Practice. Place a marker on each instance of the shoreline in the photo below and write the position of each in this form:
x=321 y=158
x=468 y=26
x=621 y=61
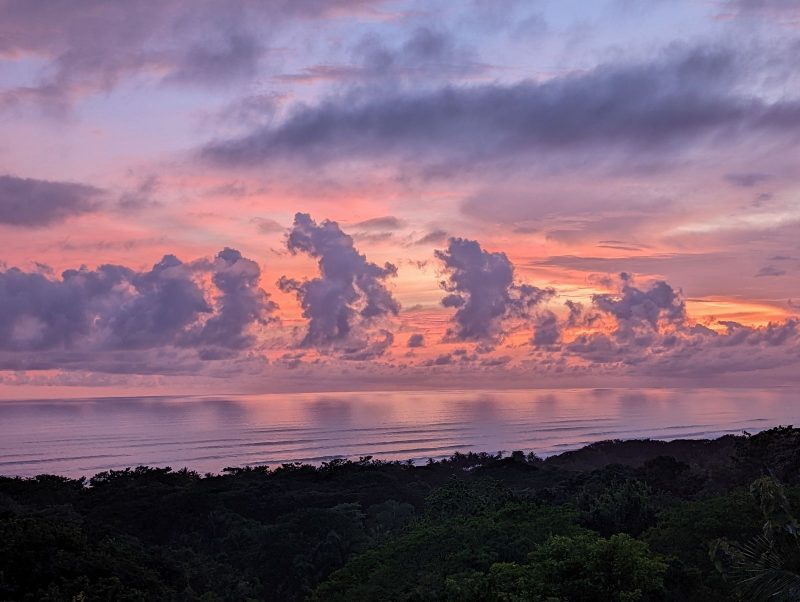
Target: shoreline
x=599 y=448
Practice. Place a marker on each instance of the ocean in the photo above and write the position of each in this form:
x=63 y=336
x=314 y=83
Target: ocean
x=80 y=437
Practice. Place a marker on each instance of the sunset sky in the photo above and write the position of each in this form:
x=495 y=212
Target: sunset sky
x=291 y=195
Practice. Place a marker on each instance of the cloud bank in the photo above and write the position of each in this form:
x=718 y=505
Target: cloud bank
x=615 y=111
x=651 y=334
x=205 y=309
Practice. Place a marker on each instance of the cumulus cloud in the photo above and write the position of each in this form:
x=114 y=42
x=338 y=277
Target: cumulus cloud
x=652 y=335
x=640 y=317
x=546 y=330
x=481 y=288
x=704 y=353
x=86 y=318
x=348 y=295
x=240 y=302
x=634 y=307
x=34 y=203
x=575 y=312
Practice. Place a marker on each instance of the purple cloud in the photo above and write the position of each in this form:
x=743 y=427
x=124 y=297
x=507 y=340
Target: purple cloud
x=240 y=302
x=546 y=329
x=97 y=45
x=86 y=314
x=35 y=203
x=634 y=307
x=613 y=111
x=654 y=336
x=770 y=270
x=481 y=288
x=388 y=222
x=350 y=291
x=427 y=54
x=416 y=340
x=431 y=238
x=747 y=179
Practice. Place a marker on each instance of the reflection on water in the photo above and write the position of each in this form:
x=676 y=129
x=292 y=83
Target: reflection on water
x=84 y=436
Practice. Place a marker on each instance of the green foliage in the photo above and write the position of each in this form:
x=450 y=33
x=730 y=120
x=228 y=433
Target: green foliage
x=620 y=507
x=466 y=497
x=417 y=564
x=767 y=567
x=581 y=568
x=614 y=521
x=682 y=534
x=49 y=559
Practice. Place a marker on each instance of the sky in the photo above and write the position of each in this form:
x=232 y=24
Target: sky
x=313 y=195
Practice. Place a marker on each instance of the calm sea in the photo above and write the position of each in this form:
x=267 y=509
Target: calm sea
x=85 y=436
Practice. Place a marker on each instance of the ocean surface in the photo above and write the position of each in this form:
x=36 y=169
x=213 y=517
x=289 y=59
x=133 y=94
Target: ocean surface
x=84 y=436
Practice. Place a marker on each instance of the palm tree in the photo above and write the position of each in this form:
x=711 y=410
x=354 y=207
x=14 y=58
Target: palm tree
x=768 y=566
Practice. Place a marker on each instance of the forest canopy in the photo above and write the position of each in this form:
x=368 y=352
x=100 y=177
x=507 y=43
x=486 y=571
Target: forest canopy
x=617 y=520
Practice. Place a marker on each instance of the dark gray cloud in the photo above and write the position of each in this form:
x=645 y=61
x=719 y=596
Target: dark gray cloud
x=387 y=222
x=426 y=55
x=96 y=45
x=240 y=302
x=612 y=111
x=416 y=340
x=762 y=198
x=373 y=237
x=634 y=306
x=641 y=316
x=654 y=336
x=235 y=55
x=163 y=304
x=546 y=329
x=781 y=9
x=34 y=203
x=142 y=195
x=575 y=312
x=481 y=288
x=368 y=349
x=267 y=226
x=705 y=274
x=433 y=237
x=739 y=349
x=85 y=314
x=350 y=291
x=770 y=270
x=748 y=179
x=444 y=359
x=427 y=52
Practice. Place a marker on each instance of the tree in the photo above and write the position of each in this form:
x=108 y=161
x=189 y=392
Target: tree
x=767 y=567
